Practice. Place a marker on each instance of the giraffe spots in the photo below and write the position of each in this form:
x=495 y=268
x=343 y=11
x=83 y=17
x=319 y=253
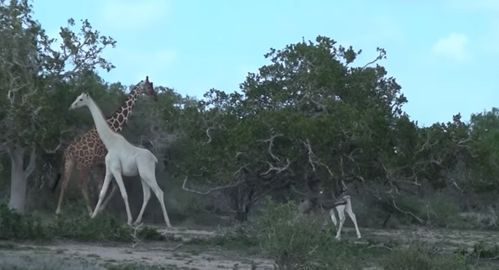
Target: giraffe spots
x=121 y=118
x=125 y=112
x=129 y=103
x=116 y=125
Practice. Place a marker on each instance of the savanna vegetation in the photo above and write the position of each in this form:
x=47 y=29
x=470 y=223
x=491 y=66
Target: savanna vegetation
x=312 y=119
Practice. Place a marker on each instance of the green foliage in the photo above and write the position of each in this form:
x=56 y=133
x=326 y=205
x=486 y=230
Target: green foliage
x=485 y=145
x=308 y=112
x=419 y=257
x=150 y=234
x=78 y=226
x=33 y=72
x=16 y=226
x=84 y=228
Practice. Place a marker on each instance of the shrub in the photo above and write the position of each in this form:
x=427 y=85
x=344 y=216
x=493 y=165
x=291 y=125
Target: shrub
x=85 y=228
x=16 y=226
x=420 y=257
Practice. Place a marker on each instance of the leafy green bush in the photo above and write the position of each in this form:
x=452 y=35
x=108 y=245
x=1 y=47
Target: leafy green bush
x=420 y=257
x=16 y=226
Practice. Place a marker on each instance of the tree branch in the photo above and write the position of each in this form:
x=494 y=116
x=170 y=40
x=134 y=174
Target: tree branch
x=208 y=135
x=381 y=55
x=271 y=143
x=420 y=220
x=277 y=169
x=310 y=154
x=211 y=190
x=53 y=150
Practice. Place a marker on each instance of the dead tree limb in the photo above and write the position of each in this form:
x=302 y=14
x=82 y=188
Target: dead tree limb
x=211 y=190
x=271 y=144
x=311 y=154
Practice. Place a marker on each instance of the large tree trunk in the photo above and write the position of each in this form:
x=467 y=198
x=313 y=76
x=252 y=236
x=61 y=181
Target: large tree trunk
x=19 y=177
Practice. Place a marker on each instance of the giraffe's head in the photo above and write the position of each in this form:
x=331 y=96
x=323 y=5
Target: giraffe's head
x=80 y=101
x=146 y=87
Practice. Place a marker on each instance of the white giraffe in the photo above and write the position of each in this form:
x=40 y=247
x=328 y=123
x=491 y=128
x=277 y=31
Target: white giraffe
x=123 y=158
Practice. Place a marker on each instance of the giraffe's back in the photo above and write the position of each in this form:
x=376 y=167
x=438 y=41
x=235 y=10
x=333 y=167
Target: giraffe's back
x=86 y=150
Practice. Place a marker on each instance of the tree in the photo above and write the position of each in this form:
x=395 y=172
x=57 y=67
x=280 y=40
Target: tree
x=34 y=73
x=307 y=120
x=484 y=129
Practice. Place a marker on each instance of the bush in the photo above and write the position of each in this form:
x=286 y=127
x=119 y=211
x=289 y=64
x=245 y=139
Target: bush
x=85 y=228
x=77 y=226
x=443 y=211
x=16 y=226
x=420 y=257
x=295 y=241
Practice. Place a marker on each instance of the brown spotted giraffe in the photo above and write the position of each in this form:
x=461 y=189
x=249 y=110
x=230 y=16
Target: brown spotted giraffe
x=88 y=150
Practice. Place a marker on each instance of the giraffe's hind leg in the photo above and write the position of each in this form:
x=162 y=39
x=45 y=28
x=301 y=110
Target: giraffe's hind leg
x=68 y=169
x=147 y=168
x=147 y=195
x=84 y=173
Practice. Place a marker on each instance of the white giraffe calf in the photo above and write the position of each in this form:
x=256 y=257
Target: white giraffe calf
x=341 y=204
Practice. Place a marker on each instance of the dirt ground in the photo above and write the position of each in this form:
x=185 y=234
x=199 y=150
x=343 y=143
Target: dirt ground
x=177 y=255
x=157 y=255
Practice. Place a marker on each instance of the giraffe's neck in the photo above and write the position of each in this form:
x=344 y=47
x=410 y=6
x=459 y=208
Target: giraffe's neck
x=120 y=117
x=106 y=134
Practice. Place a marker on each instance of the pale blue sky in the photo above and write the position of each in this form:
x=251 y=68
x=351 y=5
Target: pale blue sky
x=443 y=53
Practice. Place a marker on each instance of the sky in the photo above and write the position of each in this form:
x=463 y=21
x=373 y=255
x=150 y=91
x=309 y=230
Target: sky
x=444 y=53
